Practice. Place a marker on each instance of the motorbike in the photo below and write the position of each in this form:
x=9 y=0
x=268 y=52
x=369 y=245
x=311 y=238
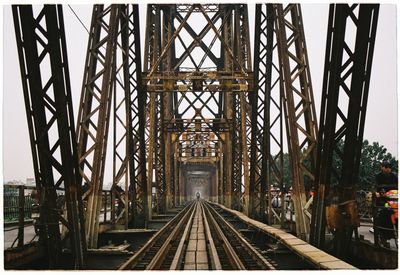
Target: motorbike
x=392 y=206
x=387 y=217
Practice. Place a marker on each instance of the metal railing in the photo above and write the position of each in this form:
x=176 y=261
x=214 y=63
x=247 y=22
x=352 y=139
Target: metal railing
x=14 y=195
x=363 y=198
x=17 y=208
x=18 y=204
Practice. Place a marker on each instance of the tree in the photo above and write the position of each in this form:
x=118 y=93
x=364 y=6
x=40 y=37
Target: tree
x=372 y=155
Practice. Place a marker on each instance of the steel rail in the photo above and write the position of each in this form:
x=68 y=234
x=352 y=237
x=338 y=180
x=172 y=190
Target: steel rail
x=214 y=258
x=180 y=250
x=234 y=259
x=139 y=255
x=245 y=244
x=158 y=259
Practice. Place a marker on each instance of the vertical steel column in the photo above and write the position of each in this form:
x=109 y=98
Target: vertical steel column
x=221 y=178
x=166 y=67
x=176 y=183
x=41 y=43
x=243 y=55
x=138 y=183
x=257 y=202
x=21 y=215
x=122 y=122
x=237 y=141
x=298 y=105
x=216 y=178
x=150 y=144
x=129 y=145
x=347 y=78
x=181 y=183
x=228 y=159
x=237 y=157
x=94 y=110
x=159 y=157
x=152 y=51
x=267 y=115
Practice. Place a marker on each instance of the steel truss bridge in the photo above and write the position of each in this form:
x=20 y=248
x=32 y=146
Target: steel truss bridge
x=197 y=111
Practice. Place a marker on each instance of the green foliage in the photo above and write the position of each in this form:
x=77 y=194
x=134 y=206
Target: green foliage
x=372 y=155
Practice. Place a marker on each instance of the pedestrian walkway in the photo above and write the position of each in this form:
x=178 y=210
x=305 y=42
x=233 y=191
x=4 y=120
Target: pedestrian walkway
x=11 y=233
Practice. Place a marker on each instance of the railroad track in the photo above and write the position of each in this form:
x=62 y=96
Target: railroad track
x=198 y=238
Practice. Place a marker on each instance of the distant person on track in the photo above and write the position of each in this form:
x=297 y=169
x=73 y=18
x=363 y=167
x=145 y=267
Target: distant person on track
x=197 y=195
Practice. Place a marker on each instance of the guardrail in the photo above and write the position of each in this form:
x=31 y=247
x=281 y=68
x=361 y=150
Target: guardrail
x=14 y=196
x=17 y=208
x=364 y=205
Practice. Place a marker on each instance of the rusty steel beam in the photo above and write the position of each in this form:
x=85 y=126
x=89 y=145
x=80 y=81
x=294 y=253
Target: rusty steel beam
x=154 y=136
x=346 y=59
x=129 y=103
x=41 y=44
x=122 y=122
x=237 y=157
x=242 y=52
x=228 y=182
x=112 y=88
x=159 y=158
x=176 y=182
x=301 y=125
x=95 y=109
x=193 y=94
x=267 y=115
x=167 y=113
x=237 y=140
x=150 y=146
x=220 y=170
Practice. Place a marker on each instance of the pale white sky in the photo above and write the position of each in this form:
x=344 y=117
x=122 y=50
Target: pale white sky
x=381 y=121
